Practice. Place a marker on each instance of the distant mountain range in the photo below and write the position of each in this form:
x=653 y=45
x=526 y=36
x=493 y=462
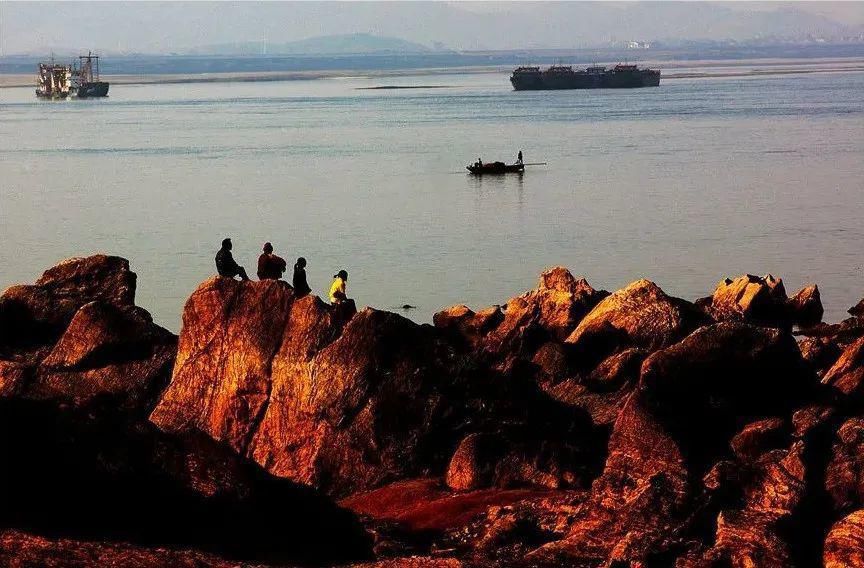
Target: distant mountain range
x=344 y=44
x=233 y=28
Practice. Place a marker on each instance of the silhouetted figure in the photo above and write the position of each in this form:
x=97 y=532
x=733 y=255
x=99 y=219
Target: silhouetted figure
x=337 y=289
x=225 y=264
x=479 y=162
x=301 y=287
x=270 y=266
x=519 y=157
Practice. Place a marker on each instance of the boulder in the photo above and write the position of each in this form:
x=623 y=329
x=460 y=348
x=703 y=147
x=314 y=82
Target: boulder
x=844 y=546
x=340 y=406
x=844 y=477
x=641 y=315
x=548 y=313
x=820 y=352
x=805 y=307
x=759 y=437
x=858 y=309
x=846 y=375
x=703 y=389
x=92 y=474
x=83 y=338
x=749 y=298
x=37 y=314
x=473 y=463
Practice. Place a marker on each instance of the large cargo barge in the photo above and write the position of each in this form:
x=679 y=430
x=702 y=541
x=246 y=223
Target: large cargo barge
x=594 y=77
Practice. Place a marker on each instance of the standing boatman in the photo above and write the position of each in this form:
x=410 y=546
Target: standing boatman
x=519 y=158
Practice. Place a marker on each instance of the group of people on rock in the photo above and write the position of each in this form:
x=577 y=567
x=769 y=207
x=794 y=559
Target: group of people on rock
x=271 y=267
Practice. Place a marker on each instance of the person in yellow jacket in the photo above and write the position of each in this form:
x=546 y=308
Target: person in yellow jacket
x=337 y=289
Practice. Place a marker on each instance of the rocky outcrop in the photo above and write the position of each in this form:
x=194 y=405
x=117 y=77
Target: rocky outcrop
x=640 y=315
x=340 y=406
x=763 y=300
x=76 y=336
x=567 y=427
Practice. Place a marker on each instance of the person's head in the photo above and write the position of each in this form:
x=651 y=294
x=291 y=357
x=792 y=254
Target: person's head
x=268 y=248
x=342 y=274
x=301 y=262
x=226 y=244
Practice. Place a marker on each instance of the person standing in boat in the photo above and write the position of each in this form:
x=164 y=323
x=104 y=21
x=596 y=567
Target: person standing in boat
x=519 y=158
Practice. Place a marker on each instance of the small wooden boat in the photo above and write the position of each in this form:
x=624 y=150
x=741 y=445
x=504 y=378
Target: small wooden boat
x=496 y=168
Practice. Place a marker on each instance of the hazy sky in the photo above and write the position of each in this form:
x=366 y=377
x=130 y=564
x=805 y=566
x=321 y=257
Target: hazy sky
x=165 y=27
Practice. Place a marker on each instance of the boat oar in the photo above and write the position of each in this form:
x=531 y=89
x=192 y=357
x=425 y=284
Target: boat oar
x=535 y=164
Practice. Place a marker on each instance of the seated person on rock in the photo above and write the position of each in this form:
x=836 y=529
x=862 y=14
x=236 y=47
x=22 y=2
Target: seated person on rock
x=225 y=264
x=301 y=287
x=270 y=266
x=337 y=289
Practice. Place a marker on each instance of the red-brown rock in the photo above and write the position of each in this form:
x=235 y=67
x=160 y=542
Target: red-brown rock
x=844 y=546
x=847 y=374
x=844 y=477
x=641 y=315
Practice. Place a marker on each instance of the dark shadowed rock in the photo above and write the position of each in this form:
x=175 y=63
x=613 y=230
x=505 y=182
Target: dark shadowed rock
x=641 y=315
x=820 y=352
x=706 y=387
x=91 y=474
x=83 y=338
x=37 y=314
x=844 y=478
x=473 y=463
x=805 y=307
x=844 y=546
x=858 y=309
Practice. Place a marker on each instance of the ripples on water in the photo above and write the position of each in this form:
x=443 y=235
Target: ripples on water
x=684 y=184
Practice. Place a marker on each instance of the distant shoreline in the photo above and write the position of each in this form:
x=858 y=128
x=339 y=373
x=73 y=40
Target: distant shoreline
x=689 y=69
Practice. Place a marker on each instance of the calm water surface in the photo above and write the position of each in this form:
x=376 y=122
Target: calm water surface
x=684 y=184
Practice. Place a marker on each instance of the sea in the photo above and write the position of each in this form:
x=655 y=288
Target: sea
x=702 y=178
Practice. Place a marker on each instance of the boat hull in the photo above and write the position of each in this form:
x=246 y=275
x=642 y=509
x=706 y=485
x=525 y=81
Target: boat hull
x=496 y=168
x=95 y=89
x=546 y=81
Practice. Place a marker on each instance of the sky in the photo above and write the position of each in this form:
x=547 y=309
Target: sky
x=168 y=27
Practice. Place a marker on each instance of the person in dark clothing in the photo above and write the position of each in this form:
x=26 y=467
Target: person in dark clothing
x=519 y=157
x=270 y=266
x=301 y=287
x=225 y=264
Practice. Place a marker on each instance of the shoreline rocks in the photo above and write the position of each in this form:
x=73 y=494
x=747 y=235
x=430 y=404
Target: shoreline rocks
x=567 y=426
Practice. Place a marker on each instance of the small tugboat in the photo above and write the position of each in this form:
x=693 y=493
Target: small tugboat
x=86 y=81
x=53 y=81
x=479 y=168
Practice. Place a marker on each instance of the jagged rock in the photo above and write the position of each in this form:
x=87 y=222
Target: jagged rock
x=93 y=474
x=820 y=352
x=603 y=391
x=635 y=503
x=805 y=307
x=548 y=313
x=749 y=298
x=844 y=546
x=858 y=309
x=847 y=374
x=700 y=388
x=844 y=477
x=22 y=550
x=38 y=314
x=279 y=379
x=758 y=437
x=84 y=338
x=640 y=315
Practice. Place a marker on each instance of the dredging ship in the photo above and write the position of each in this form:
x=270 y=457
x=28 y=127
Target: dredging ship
x=594 y=77
x=57 y=81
